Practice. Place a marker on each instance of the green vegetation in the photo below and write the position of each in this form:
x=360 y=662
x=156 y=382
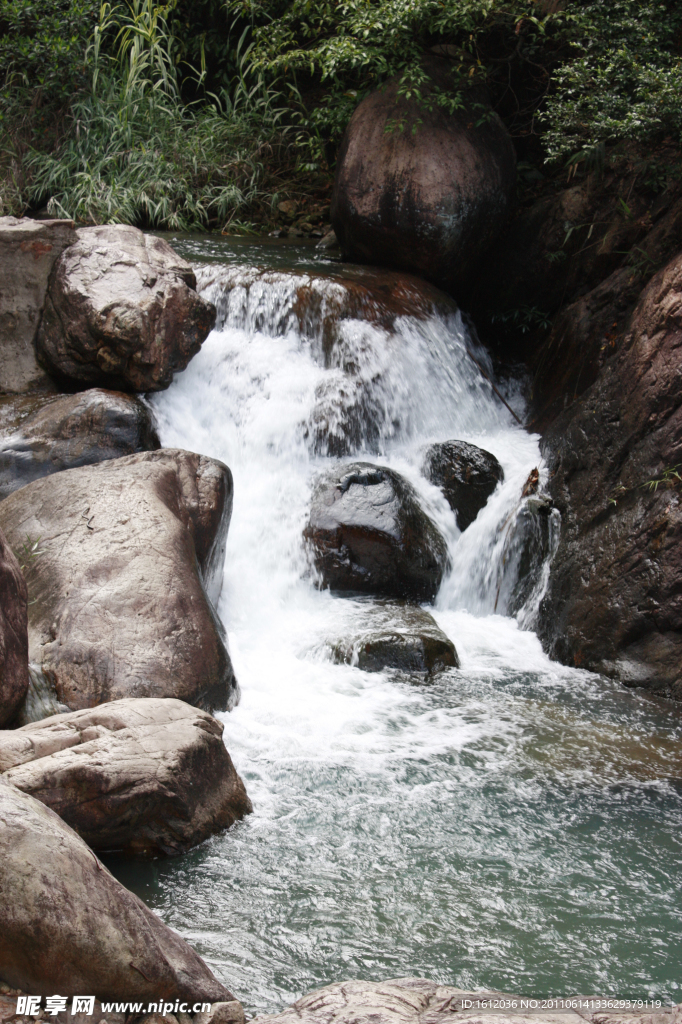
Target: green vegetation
x=189 y=114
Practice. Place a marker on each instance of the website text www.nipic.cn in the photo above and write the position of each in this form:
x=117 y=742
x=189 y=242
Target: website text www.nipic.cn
x=30 y=1006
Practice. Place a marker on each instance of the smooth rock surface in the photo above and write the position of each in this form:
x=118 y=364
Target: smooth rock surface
x=614 y=601
x=67 y=925
x=13 y=634
x=467 y=475
x=40 y=435
x=129 y=551
x=369 y=533
x=121 y=312
x=28 y=251
x=401 y=637
x=140 y=777
x=430 y=196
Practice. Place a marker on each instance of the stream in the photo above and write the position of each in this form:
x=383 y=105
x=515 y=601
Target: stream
x=511 y=824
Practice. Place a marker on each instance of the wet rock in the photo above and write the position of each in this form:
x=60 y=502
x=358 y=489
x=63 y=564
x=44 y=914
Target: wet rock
x=130 y=557
x=28 y=251
x=121 y=312
x=13 y=634
x=429 y=196
x=466 y=474
x=614 y=600
x=40 y=435
x=369 y=533
x=67 y=925
x=398 y=637
x=222 y=1013
x=140 y=777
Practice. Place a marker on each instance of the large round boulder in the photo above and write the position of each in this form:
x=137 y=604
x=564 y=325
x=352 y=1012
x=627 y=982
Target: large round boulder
x=369 y=533
x=128 y=564
x=121 y=312
x=67 y=925
x=13 y=634
x=467 y=475
x=138 y=777
x=419 y=188
x=41 y=434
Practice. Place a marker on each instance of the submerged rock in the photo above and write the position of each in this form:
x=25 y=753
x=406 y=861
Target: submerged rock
x=398 y=637
x=13 y=634
x=369 y=533
x=121 y=312
x=130 y=557
x=40 y=435
x=67 y=925
x=141 y=777
x=419 y=188
x=467 y=475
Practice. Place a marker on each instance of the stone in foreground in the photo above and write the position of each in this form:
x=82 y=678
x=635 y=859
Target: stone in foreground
x=13 y=634
x=67 y=925
x=398 y=637
x=467 y=475
x=140 y=777
x=131 y=557
x=40 y=435
x=369 y=533
x=121 y=312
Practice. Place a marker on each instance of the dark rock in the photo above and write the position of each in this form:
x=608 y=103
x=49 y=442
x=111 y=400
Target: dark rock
x=466 y=474
x=67 y=925
x=13 y=634
x=129 y=551
x=121 y=312
x=40 y=435
x=28 y=251
x=614 y=602
x=428 y=196
x=398 y=637
x=141 y=777
x=369 y=533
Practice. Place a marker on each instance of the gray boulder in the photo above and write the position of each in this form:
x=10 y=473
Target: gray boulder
x=140 y=777
x=368 y=533
x=466 y=474
x=67 y=925
x=399 y=637
x=13 y=634
x=121 y=312
x=40 y=435
x=28 y=251
x=130 y=557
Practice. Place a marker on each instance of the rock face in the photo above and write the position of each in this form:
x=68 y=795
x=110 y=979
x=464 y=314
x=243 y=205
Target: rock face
x=399 y=637
x=28 y=251
x=13 y=634
x=129 y=550
x=140 y=777
x=431 y=193
x=369 y=533
x=614 y=600
x=67 y=925
x=466 y=474
x=121 y=312
x=40 y=435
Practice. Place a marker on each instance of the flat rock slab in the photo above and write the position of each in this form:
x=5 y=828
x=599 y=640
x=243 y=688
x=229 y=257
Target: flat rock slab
x=130 y=557
x=13 y=634
x=67 y=925
x=141 y=777
x=121 y=311
x=28 y=251
x=369 y=533
x=43 y=434
x=398 y=637
x=467 y=475
x=417 y=1001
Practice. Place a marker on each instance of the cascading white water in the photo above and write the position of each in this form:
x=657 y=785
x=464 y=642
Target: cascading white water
x=401 y=828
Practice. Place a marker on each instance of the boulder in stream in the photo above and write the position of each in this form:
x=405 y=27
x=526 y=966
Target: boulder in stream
x=42 y=434
x=399 y=637
x=129 y=561
x=139 y=777
x=467 y=475
x=13 y=634
x=67 y=925
x=121 y=311
x=369 y=533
